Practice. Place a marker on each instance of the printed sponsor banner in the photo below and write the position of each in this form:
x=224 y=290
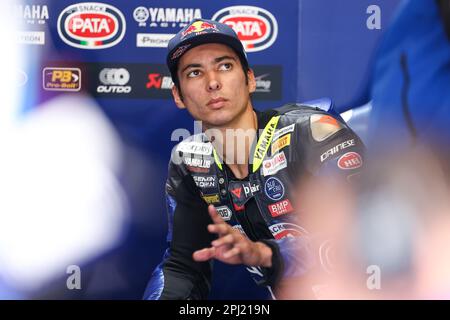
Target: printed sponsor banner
x=61 y=79
x=30 y=37
x=128 y=80
x=91 y=25
x=31 y=14
x=165 y=17
x=269 y=81
x=256 y=27
x=153 y=40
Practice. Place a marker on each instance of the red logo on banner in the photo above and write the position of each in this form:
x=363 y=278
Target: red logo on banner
x=154 y=81
x=91 y=25
x=256 y=27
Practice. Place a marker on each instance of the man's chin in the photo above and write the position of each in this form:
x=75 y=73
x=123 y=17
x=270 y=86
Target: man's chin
x=218 y=120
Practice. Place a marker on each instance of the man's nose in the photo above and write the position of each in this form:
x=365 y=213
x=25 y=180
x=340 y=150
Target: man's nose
x=213 y=82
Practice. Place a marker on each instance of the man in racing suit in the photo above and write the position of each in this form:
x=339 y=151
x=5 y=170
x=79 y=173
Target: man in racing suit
x=252 y=216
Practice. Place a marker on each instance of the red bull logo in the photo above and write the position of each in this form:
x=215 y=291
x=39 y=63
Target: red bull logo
x=257 y=28
x=198 y=27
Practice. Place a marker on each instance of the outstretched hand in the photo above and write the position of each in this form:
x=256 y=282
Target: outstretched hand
x=232 y=247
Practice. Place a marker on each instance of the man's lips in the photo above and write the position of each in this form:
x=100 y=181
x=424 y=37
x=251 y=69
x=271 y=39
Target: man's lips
x=216 y=103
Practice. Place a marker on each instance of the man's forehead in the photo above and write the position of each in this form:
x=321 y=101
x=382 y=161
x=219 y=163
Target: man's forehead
x=206 y=53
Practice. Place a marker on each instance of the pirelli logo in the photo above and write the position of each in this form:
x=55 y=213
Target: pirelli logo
x=61 y=79
x=281 y=143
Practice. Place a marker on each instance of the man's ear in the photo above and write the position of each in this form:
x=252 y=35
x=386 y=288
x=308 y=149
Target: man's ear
x=177 y=97
x=251 y=81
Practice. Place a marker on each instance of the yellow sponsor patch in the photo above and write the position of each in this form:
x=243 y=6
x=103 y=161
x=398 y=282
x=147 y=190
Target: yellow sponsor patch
x=211 y=199
x=281 y=143
x=264 y=142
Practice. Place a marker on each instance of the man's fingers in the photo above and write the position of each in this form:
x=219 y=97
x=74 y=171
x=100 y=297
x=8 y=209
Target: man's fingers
x=231 y=253
x=221 y=229
x=204 y=254
x=228 y=239
x=216 y=218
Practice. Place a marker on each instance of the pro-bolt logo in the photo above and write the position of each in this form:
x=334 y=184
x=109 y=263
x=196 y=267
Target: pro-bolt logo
x=257 y=28
x=91 y=25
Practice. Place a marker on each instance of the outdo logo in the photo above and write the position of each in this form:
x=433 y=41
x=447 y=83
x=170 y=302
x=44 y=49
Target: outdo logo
x=91 y=25
x=114 y=76
x=257 y=28
x=114 y=81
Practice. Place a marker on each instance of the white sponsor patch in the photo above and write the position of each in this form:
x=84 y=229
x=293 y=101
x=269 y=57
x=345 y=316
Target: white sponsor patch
x=224 y=212
x=31 y=37
x=199 y=163
x=274 y=164
x=205 y=182
x=194 y=147
x=153 y=40
x=283 y=131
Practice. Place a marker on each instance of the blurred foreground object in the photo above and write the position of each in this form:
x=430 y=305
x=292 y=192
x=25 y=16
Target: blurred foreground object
x=411 y=82
x=388 y=240
x=61 y=203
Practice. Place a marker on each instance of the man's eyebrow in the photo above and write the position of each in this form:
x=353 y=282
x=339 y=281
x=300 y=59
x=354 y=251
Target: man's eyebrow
x=192 y=65
x=219 y=59
x=216 y=60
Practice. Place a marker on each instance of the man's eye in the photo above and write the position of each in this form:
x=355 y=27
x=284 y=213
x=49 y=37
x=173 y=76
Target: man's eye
x=193 y=73
x=225 y=66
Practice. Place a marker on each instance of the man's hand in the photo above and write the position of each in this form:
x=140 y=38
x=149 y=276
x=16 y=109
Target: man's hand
x=233 y=247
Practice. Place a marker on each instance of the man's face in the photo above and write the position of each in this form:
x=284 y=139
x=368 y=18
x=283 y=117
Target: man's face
x=213 y=85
